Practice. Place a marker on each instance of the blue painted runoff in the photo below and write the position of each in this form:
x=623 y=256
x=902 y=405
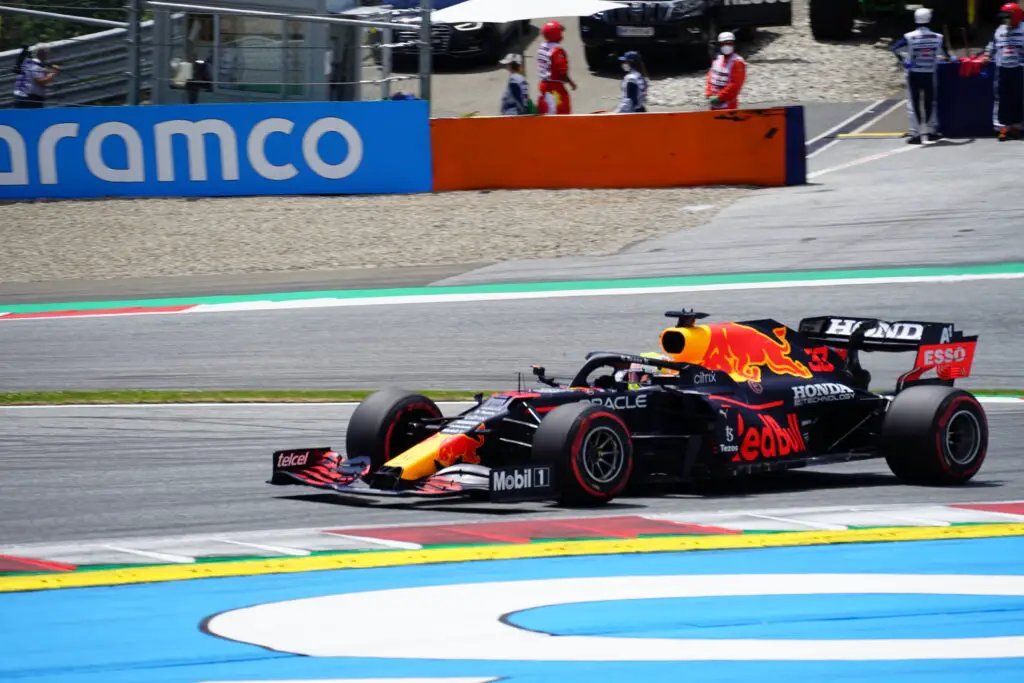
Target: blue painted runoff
x=151 y=633
x=785 y=617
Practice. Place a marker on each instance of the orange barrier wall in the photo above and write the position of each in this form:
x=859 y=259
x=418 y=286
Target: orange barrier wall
x=684 y=149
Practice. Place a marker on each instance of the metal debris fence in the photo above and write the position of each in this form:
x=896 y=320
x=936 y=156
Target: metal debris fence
x=96 y=69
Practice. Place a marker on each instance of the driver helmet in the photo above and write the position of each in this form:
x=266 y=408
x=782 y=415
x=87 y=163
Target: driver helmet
x=639 y=374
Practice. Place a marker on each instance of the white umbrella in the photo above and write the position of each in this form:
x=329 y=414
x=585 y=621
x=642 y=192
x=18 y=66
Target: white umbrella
x=499 y=11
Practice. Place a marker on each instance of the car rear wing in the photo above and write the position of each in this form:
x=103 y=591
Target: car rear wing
x=939 y=346
x=871 y=334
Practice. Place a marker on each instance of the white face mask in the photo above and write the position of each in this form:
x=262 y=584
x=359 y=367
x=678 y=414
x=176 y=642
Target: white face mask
x=727 y=49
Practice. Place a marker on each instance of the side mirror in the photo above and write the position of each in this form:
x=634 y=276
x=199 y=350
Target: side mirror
x=538 y=370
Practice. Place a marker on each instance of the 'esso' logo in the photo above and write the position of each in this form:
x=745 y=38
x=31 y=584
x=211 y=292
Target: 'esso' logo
x=946 y=355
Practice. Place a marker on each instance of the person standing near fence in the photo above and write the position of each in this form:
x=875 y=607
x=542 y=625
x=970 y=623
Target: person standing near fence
x=634 y=84
x=1007 y=46
x=515 y=100
x=726 y=75
x=30 y=86
x=924 y=49
x=553 y=72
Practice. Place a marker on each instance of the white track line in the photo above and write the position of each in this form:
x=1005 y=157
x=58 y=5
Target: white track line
x=280 y=550
x=839 y=126
x=1003 y=515
x=787 y=520
x=424 y=299
x=913 y=520
x=404 y=545
x=163 y=557
x=864 y=160
x=873 y=121
x=905 y=511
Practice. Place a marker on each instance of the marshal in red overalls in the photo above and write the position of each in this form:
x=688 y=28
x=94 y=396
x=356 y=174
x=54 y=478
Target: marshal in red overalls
x=726 y=76
x=553 y=72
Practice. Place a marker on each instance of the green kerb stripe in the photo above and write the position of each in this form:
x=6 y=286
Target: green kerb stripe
x=695 y=280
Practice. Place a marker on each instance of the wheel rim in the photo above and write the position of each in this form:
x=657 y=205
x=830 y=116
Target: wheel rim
x=602 y=455
x=963 y=438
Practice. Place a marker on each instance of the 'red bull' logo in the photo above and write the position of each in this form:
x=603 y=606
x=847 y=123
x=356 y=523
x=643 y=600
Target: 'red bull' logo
x=743 y=351
x=771 y=440
x=460 y=448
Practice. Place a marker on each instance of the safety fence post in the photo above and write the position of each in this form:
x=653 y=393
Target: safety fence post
x=133 y=36
x=426 y=52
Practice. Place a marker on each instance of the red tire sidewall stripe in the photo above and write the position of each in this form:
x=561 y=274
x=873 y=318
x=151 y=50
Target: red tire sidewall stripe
x=947 y=415
x=394 y=422
x=577 y=445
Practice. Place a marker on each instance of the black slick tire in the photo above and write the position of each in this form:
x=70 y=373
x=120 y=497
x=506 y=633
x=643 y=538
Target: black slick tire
x=590 y=449
x=380 y=425
x=832 y=19
x=935 y=435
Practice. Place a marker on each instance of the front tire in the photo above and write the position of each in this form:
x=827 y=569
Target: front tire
x=935 y=435
x=590 y=449
x=381 y=426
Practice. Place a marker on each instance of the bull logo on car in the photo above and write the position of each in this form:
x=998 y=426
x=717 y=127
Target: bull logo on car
x=739 y=350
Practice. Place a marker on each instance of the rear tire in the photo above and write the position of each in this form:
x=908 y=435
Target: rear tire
x=832 y=19
x=589 y=448
x=380 y=427
x=935 y=435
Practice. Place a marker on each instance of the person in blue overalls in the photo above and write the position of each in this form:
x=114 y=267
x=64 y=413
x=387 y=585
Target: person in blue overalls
x=32 y=81
x=515 y=100
x=634 y=84
x=924 y=49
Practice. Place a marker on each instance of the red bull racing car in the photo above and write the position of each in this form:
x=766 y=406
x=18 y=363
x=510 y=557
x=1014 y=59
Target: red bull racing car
x=718 y=400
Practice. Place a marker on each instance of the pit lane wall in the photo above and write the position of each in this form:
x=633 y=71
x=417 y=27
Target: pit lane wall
x=760 y=147
x=391 y=147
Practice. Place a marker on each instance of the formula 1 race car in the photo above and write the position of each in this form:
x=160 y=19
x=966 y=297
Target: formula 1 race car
x=723 y=399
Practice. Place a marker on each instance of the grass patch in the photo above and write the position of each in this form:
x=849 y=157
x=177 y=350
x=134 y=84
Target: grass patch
x=1015 y=393
x=154 y=397
x=128 y=396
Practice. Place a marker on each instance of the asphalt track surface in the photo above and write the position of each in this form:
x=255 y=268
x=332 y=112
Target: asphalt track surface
x=90 y=473
x=471 y=345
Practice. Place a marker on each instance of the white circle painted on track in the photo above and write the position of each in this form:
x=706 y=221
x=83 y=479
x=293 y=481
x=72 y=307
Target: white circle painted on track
x=462 y=621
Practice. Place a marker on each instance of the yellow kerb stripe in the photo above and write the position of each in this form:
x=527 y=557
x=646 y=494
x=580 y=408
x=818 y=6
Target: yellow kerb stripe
x=396 y=558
